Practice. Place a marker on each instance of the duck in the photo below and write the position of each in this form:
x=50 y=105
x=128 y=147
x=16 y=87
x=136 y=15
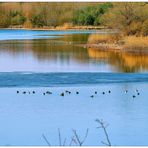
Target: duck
x=134 y=96
x=77 y=92
x=48 y=92
x=62 y=94
x=68 y=91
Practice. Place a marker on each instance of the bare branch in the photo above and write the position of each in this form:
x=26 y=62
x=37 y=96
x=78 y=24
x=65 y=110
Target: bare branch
x=59 y=137
x=77 y=137
x=80 y=142
x=72 y=140
x=64 y=142
x=44 y=137
x=85 y=136
x=105 y=131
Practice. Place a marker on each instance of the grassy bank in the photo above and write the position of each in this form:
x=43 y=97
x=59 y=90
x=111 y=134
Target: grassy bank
x=116 y=41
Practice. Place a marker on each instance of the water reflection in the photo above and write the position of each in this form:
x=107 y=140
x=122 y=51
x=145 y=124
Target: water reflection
x=121 y=61
x=65 y=54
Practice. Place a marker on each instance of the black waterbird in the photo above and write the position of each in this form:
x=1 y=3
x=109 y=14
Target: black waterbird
x=77 y=92
x=68 y=91
x=134 y=96
x=48 y=92
x=62 y=94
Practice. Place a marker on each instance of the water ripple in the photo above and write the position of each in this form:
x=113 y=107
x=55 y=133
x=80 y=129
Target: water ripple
x=20 y=79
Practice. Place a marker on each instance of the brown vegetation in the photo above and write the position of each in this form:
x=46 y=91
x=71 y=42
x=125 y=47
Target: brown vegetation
x=115 y=41
x=135 y=43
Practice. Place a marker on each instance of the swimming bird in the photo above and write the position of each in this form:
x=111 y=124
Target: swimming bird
x=126 y=91
x=77 y=92
x=92 y=96
x=48 y=92
x=24 y=92
x=62 y=94
x=134 y=96
x=136 y=90
x=68 y=91
x=44 y=94
x=103 y=93
x=109 y=91
x=33 y=92
x=95 y=92
x=17 y=91
x=138 y=93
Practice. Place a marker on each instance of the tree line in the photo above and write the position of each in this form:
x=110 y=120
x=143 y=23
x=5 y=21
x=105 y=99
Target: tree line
x=129 y=17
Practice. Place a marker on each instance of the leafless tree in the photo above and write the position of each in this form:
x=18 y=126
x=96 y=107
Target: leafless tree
x=103 y=126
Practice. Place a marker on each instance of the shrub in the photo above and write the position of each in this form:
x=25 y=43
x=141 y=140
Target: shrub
x=144 y=30
x=134 y=28
x=91 y=14
x=37 y=20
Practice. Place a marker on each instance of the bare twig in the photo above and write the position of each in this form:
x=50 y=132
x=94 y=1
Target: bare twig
x=59 y=137
x=64 y=143
x=44 y=137
x=72 y=140
x=75 y=139
x=105 y=131
x=80 y=142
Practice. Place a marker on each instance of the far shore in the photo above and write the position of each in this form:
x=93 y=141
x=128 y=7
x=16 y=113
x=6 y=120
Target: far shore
x=100 y=41
x=59 y=28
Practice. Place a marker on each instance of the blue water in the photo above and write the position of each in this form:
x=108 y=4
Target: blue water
x=36 y=64
x=15 y=34
x=20 y=79
x=25 y=117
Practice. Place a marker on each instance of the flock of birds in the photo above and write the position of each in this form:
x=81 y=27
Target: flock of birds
x=77 y=92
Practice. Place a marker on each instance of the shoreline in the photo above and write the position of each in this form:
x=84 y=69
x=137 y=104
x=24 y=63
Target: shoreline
x=60 y=28
x=117 y=48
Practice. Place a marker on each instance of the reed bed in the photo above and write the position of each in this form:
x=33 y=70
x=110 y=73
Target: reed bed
x=135 y=43
x=110 y=41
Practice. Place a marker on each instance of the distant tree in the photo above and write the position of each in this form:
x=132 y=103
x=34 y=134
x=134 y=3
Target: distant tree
x=38 y=21
x=91 y=14
x=16 y=18
x=129 y=17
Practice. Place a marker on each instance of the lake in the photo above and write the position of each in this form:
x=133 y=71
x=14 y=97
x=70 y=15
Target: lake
x=62 y=51
x=96 y=84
